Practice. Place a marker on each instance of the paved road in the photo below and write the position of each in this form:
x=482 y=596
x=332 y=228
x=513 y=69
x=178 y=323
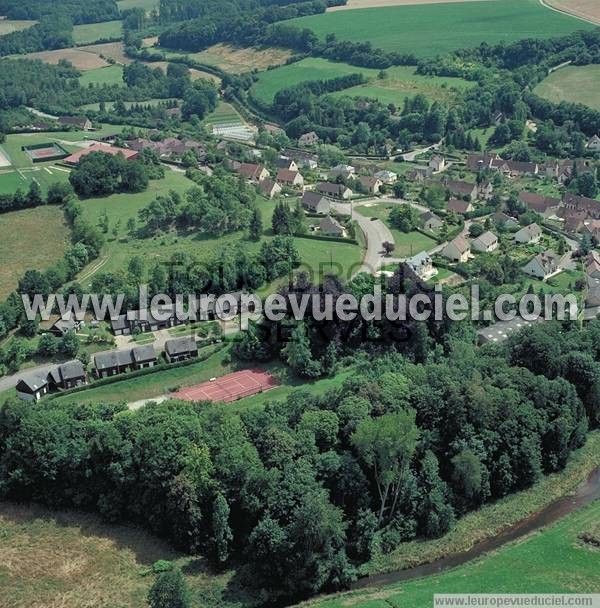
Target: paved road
x=410 y=156
x=376 y=233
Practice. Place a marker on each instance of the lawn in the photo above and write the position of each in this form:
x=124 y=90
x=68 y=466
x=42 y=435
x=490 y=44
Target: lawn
x=30 y=239
x=575 y=84
x=428 y=30
x=92 y=32
x=112 y=74
x=407 y=243
x=8 y=26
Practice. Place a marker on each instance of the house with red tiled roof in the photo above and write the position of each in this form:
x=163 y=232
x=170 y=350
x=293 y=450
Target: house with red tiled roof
x=75 y=158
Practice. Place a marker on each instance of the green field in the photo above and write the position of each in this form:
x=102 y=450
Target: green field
x=112 y=74
x=92 y=32
x=30 y=239
x=22 y=178
x=552 y=561
x=224 y=113
x=312 y=68
x=8 y=26
x=575 y=84
x=431 y=29
x=121 y=207
x=407 y=243
x=400 y=81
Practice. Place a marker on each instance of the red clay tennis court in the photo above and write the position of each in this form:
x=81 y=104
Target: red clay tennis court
x=230 y=388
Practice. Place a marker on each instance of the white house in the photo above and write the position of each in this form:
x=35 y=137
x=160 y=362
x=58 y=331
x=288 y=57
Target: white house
x=530 y=234
x=421 y=266
x=485 y=243
x=387 y=177
x=593 y=144
x=437 y=163
x=457 y=250
x=543 y=265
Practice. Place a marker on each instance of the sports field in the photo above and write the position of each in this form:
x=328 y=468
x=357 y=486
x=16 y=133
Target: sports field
x=427 y=30
x=30 y=239
x=90 y=32
x=577 y=84
x=230 y=387
x=112 y=74
x=8 y=26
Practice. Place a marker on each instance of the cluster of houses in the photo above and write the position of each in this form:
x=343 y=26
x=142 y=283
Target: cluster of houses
x=34 y=386
x=592 y=276
x=169 y=148
x=576 y=214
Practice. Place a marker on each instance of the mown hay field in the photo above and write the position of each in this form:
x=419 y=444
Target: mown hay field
x=30 y=239
x=426 y=30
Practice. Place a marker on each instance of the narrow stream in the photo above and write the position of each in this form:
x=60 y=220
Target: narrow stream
x=586 y=493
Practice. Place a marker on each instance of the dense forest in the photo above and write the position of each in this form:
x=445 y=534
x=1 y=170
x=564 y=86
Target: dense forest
x=298 y=494
x=76 y=10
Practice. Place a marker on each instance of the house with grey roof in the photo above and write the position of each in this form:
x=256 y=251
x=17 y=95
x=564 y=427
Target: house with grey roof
x=329 y=226
x=32 y=386
x=313 y=202
x=431 y=221
x=112 y=363
x=67 y=375
x=334 y=190
x=181 y=349
x=529 y=235
x=143 y=356
x=485 y=243
x=543 y=266
x=420 y=267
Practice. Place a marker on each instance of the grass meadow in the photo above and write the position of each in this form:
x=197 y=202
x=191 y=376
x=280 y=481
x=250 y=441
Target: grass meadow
x=89 y=33
x=8 y=26
x=112 y=74
x=427 y=30
x=145 y=4
x=316 y=255
x=575 y=84
x=30 y=239
x=399 y=83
